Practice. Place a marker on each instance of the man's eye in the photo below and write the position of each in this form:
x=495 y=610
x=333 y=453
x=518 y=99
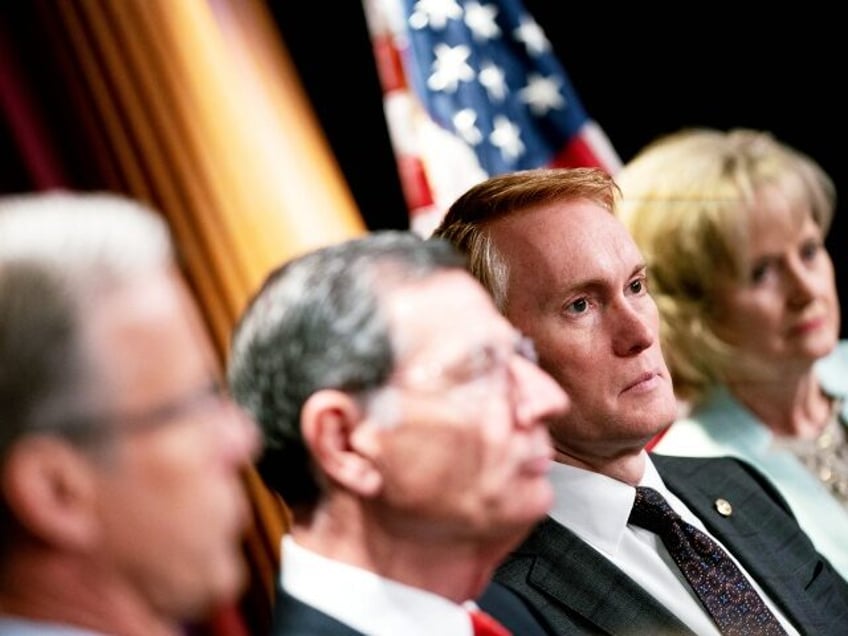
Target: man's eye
x=637 y=286
x=579 y=306
x=476 y=366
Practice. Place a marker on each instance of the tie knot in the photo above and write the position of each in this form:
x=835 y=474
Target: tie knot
x=652 y=512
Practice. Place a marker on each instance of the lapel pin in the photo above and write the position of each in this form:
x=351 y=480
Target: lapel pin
x=723 y=506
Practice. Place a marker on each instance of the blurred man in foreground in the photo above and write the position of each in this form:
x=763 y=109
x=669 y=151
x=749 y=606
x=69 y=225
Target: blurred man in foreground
x=404 y=422
x=121 y=502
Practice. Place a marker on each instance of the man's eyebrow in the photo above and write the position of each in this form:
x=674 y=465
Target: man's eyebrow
x=582 y=285
x=594 y=282
x=639 y=268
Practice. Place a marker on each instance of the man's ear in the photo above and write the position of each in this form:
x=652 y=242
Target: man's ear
x=49 y=487
x=333 y=425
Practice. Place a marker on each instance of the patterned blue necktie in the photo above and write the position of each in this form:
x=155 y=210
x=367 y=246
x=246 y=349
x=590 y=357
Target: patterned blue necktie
x=724 y=591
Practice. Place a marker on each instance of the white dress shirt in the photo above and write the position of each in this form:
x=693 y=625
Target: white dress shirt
x=596 y=508
x=16 y=626
x=366 y=601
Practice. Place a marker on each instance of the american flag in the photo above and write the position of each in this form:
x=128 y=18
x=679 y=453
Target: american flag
x=473 y=89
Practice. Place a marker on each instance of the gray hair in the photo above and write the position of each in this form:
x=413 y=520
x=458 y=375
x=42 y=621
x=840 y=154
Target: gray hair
x=316 y=323
x=59 y=252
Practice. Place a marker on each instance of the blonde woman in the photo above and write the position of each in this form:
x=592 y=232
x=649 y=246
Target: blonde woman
x=732 y=225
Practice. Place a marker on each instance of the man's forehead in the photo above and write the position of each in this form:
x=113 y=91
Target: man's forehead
x=548 y=225
x=443 y=312
x=149 y=338
x=555 y=248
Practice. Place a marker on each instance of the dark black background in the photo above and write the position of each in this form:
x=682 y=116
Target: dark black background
x=639 y=74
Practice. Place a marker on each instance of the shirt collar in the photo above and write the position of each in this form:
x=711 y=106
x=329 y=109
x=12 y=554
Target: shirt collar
x=20 y=626
x=366 y=601
x=596 y=507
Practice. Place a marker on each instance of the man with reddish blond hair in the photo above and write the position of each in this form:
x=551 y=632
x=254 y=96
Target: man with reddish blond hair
x=564 y=270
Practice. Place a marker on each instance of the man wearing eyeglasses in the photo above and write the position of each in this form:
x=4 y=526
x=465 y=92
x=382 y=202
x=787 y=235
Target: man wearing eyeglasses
x=405 y=426
x=121 y=503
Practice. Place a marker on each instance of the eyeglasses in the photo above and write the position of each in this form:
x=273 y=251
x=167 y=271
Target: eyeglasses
x=210 y=398
x=486 y=366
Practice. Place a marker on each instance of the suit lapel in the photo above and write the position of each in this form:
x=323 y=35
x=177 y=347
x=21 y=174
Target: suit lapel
x=292 y=616
x=572 y=573
x=758 y=532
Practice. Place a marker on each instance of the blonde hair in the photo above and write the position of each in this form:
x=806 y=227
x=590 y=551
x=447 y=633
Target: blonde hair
x=687 y=200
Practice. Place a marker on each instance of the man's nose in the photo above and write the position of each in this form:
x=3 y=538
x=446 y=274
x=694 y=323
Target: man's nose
x=537 y=395
x=634 y=328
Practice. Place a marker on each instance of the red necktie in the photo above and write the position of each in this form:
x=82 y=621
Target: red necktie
x=485 y=625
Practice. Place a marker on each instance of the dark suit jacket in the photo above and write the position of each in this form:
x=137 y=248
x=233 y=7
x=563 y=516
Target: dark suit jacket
x=294 y=618
x=579 y=591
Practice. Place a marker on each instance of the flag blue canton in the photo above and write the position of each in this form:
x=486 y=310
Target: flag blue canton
x=486 y=72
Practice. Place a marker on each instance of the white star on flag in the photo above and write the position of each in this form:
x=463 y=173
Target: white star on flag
x=450 y=67
x=466 y=125
x=480 y=18
x=507 y=137
x=492 y=78
x=542 y=94
x=533 y=37
x=434 y=13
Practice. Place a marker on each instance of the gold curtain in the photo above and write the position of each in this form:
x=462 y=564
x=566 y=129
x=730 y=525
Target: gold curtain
x=195 y=107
